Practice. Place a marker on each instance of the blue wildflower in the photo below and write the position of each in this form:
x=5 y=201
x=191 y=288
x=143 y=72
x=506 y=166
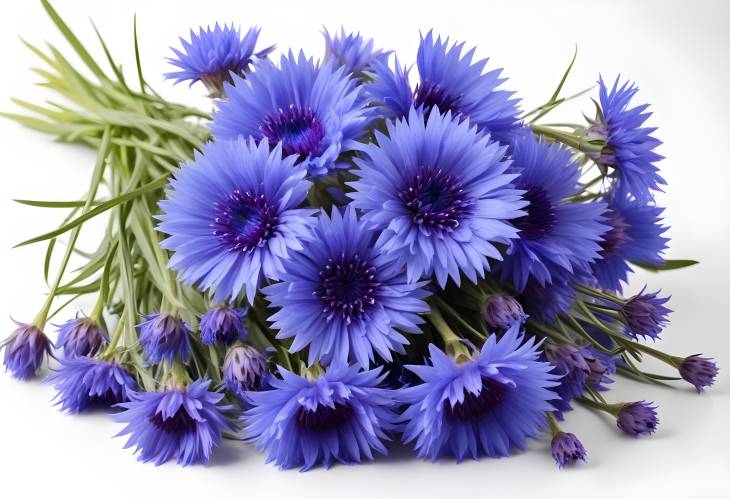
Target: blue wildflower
x=341 y=416
x=80 y=337
x=699 y=371
x=644 y=314
x=164 y=337
x=81 y=382
x=501 y=311
x=341 y=298
x=389 y=92
x=314 y=112
x=555 y=235
x=485 y=405
x=567 y=449
x=25 y=350
x=629 y=146
x=244 y=368
x=182 y=424
x=223 y=324
x=637 y=418
x=232 y=216
x=213 y=55
x=635 y=236
x=439 y=193
x=351 y=51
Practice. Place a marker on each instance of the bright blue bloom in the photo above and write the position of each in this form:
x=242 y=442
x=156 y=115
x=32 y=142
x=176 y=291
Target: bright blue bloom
x=232 y=215
x=80 y=337
x=315 y=112
x=213 y=55
x=341 y=298
x=629 y=149
x=390 y=92
x=164 y=337
x=501 y=311
x=25 y=350
x=635 y=236
x=570 y=363
x=645 y=315
x=340 y=416
x=351 y=51
x=485 y=406
x=567 y=449
x=439 y=193
x=637 y=418
x=181 y=424
x=555 y=235
x=244 y=369
x=699 y=371
x=81 y=382
x=223 y=324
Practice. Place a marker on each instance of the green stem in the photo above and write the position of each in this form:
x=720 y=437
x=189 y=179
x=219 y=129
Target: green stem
x=116 y=336
x=452 y=342
x=453 y=313
x=553 y=424
x=558 y=135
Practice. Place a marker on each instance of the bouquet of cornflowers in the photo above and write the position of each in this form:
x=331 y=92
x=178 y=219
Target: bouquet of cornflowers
x=337 y=258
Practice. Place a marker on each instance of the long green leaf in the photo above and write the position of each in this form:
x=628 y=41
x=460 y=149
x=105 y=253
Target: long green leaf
x=668 y=265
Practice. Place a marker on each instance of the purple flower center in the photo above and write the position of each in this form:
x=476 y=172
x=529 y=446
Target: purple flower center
x=478 y=405
x=298 y=129
x=180 y=422
x=616 y=236
x=430 y=94
x=324 y=418
x=436 y=200
x=540 y=218
x=347 y=287
x=244 y=220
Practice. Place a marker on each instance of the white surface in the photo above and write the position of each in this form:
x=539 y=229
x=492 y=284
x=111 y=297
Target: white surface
x=677 y=51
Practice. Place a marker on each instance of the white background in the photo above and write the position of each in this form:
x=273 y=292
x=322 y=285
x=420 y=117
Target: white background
x=677 y=51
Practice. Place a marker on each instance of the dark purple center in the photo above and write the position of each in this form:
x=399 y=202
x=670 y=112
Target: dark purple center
x=540 y=218
x=298 y=129
x=347 y=287
x=436 y=200
x=324 y=418
x=244 y=220
x=616 y=236
x=180 y=422
x=429 y=94
x=476 y=406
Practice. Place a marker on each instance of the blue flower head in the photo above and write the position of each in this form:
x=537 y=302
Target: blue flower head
x=314 y=112
x=389 y=92
x=556 y=235
x=645 y=315
x=82 y=382
x=233 y=215
x=634 y=236
x=439 y=193
x=485 y=405
x=244 y=369
x=181 y=424
x=213 y=55
x=629 y=145
x=341 y=298
x=566 y=449
x=340 y=416
x=80 y=337
x=351 y=51
x=223 y=324
x=164 y=337
x=25 y=350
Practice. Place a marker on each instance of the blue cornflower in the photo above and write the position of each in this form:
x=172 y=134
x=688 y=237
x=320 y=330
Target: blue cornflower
x=164 y=337
x=341 y=298
x=80 y=337
x=452 y=82
x=182 y=424
x=629 y=146
x=25 y=350
x=223 y=324
x=645 y=315
x=697 y=370
x=501 y=311
x=83 y=381
x=244 y=368
x=439 y=193
x=485 y=405
x=567 y=449
x=232 y=216
x=389 y=92
x=635 y=236
x=555 y=235
x=213 y=55
x=637 y=418
x=315 y=112
x=351 y=51
x=340 y=416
